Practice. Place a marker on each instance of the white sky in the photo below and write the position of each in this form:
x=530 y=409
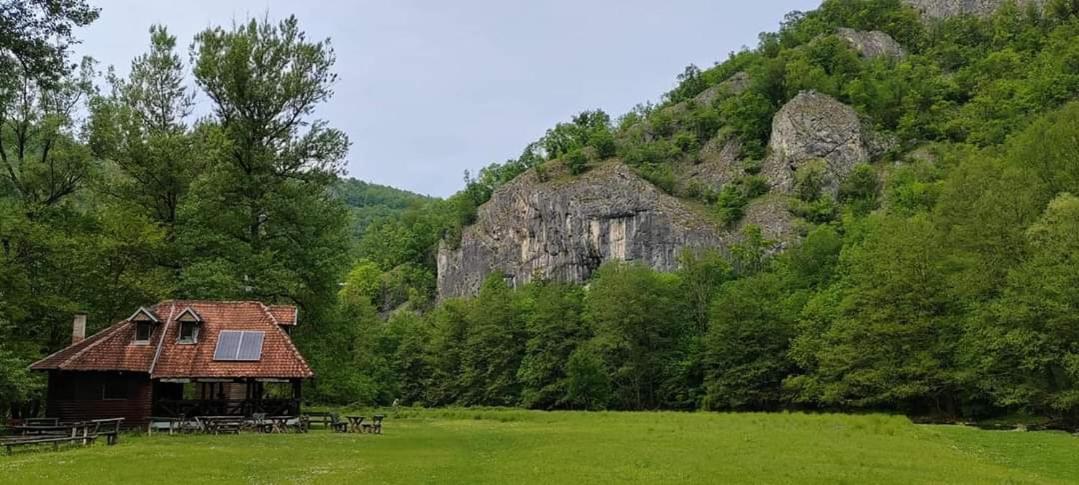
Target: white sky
x=429 y=89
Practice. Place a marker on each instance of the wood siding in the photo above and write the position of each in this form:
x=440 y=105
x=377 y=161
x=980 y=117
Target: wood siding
x=81 y=396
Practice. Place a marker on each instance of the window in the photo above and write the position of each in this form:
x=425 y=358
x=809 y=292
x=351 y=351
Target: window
x=189 y=332
x=142 y=332
x=114 y=389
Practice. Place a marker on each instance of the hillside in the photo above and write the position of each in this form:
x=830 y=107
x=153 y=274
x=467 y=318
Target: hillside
x=370 y=202
x=780 y=138
x=872 y=209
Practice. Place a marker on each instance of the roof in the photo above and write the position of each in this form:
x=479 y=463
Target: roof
x=285 y=314
x=114 y=349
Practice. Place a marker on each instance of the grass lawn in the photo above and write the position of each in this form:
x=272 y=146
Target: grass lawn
x=507 y=446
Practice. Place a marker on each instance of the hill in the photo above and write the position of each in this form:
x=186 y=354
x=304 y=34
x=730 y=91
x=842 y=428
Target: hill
x=370 y=202
x=872 y=209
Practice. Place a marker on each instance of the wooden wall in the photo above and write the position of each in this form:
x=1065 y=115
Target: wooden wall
x=80 y=396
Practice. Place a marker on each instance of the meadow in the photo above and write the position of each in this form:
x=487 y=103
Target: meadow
x=508 y=446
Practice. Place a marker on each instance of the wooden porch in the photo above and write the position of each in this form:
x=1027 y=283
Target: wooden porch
x=182 y=398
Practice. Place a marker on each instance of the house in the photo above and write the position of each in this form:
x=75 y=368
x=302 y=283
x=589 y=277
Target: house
x=180 y=359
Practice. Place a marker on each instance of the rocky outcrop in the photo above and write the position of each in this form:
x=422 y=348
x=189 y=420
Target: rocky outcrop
x=564 y=229
x=716 y=165
x=814 y=126
x=736 y=84
x=939 y=9
x=872 y=44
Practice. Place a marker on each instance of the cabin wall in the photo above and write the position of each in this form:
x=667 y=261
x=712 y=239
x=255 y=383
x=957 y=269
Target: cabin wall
x=81 y=396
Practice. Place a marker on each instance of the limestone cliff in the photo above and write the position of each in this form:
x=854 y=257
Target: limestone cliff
x=564 y=229
x=951 y=8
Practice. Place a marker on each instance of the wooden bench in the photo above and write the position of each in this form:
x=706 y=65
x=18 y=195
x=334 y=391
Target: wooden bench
x=109 y=428
x=337 y=425
x=85 y=433
x=172 y=425
x=325 y=419
x=42 y=422
x=374 y=426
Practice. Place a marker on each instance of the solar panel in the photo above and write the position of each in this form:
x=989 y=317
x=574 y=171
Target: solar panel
x=228 y=345
x=250 y=346
x=234 y=345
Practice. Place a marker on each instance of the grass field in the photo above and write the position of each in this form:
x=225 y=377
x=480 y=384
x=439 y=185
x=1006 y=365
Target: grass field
x=505 y=446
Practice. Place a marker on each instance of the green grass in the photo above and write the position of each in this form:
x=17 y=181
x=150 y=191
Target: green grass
x=506 y=446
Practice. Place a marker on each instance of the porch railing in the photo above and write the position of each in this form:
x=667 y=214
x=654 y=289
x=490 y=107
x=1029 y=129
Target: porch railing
x=187 y=408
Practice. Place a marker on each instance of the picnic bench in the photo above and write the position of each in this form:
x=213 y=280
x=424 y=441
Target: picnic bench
x=330 y=420
x=375 y=426
x=86 y=433
x=285 y=424
x=220 y=424
x=355 y=424
x=324 y=419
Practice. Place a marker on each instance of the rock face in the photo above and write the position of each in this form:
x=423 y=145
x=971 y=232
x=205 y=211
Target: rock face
x=814 y=126
x=563 y=230
x=736 y=84
x=872 y=44
x=939 y=9
x=716 y=165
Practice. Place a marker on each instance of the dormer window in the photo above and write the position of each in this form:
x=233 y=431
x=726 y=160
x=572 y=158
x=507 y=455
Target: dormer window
x=143 y=331
x=144 y=325
x=189 y=321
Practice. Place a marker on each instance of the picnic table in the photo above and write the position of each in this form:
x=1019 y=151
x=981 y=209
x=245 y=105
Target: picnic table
x=285 y=424
x=220 y=424
x=355 y=424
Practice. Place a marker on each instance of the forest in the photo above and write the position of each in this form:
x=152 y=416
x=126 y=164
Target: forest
x=941 y=281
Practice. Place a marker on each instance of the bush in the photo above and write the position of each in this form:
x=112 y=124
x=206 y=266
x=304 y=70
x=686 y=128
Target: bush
x=577 y=162
x=587 y=385
x=809 y=181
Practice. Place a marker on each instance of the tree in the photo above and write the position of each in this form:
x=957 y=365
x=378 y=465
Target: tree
x=746 y=347
x=36 y=35
x=43 y=161
x=1025 y=346
x=141 y=128
x=263 y=213
x=893 y=338
x=587 y=383
x=555 y=330
x=493 y=347
x=638 y=324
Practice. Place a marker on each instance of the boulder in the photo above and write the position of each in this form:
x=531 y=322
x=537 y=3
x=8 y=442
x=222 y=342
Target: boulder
x=815 y=126
x=872 y=44
x=563 y=229
x=939 y=9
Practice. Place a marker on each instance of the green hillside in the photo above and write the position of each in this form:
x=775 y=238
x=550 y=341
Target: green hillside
x=370 y=202
x=936 y=281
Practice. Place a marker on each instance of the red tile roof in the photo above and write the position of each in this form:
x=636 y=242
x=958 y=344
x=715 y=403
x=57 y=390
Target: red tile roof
x=114 y=349
x=285 y=314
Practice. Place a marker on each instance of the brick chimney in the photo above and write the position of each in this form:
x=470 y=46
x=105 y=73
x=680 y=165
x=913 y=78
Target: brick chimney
x=78 y=328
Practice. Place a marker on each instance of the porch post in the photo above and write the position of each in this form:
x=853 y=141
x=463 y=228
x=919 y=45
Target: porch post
x=297 y=393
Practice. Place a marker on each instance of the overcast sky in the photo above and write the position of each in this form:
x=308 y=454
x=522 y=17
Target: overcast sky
x=429 y=89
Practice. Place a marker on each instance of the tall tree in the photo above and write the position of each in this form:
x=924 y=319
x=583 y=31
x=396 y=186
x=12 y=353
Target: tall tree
x=1025 y=346
x=638 y=324
x=141 y=128
x=36 y=35
x=263 y=222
